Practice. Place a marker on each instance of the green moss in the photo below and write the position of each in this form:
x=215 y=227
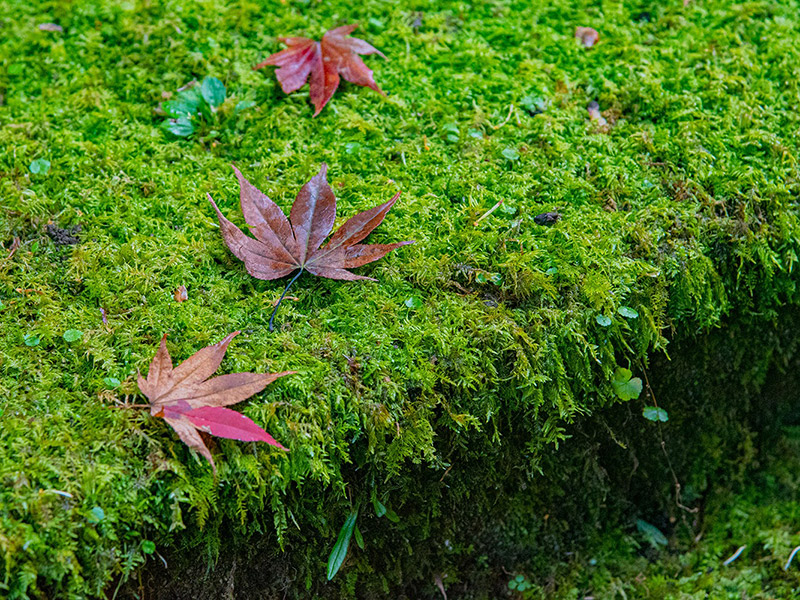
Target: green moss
x=686 y=210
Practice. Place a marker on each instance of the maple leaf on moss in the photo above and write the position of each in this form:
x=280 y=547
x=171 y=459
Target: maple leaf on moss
x=190 y=402
x=285 y=245
x=324 y=62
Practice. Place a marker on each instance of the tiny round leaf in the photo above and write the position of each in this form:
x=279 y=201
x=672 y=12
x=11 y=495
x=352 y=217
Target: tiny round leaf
x=40 y=166
x=73 y=335
x=510 y=154
x=111 y=382
x=96 y=515
x=603 y=320
x=655 y=413
x=413 y=302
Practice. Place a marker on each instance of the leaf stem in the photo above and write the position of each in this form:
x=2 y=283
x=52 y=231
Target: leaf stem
x=286 y=289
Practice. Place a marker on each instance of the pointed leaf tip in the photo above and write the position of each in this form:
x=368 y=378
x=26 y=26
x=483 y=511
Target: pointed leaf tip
x=227 y=423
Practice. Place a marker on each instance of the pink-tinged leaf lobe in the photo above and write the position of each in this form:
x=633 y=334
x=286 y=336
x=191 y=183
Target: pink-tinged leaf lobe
x=227 y=423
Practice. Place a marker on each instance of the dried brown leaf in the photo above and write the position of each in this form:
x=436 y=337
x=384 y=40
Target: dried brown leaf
x=285 y=245
x=587 y=36
x=181 y=295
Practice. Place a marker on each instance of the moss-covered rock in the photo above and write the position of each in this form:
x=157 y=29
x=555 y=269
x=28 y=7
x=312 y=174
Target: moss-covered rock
x=468 y=383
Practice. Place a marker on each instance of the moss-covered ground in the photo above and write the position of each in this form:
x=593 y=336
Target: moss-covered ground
x=481 y=363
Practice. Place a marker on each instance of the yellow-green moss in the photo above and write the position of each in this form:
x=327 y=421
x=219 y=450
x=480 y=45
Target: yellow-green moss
x=686 y=210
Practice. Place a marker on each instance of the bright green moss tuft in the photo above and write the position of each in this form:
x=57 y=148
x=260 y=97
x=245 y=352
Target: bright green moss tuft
x=685 y=211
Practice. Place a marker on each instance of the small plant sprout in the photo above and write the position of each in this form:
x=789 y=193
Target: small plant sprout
x=339 y=552
x=519 y=584
x=199 y=108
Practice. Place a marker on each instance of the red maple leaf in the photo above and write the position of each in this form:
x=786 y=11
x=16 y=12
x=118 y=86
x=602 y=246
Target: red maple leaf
x=283 y=245
x=190 y=402
x=325 y=61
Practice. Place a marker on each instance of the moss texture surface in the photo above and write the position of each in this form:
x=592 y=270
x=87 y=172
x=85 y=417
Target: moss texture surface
x=480 y=341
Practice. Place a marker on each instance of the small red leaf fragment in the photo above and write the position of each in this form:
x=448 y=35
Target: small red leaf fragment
x=587 y=36
x=181 y=294
x=324 y=62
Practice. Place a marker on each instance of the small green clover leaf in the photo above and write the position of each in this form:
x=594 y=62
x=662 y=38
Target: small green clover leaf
x=626 y=387
x=40 y=166
x=519 y=584
x=603 y=320
x=655 y=413
x=72 y=335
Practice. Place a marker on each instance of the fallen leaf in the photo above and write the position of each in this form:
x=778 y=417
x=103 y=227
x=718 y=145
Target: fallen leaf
x=324 y=61
x=587 y=36
x=189 y=401
x=284 y=245
x=181 y=294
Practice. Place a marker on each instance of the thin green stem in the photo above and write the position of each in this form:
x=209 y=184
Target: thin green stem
x=286 y=289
